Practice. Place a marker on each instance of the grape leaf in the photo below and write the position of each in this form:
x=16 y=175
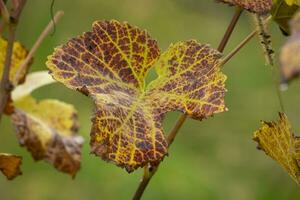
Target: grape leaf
x=282 y=13
x=18 y=56
x=256 y=6
x=10 y=165
x=290 y=52
x=278 y=142
x=110 y=63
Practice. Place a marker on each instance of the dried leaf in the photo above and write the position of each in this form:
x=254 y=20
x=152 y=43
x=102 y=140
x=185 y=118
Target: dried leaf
x=48 y=129
x=278 y=142
x=256 y=6
x=290 y=52
x=110 y=64
x=18 y=56
x=10 y=165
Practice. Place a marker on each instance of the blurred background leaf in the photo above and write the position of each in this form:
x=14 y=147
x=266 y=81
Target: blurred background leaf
x=282 y=13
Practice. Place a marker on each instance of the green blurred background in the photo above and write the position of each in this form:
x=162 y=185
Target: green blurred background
x=212 y=159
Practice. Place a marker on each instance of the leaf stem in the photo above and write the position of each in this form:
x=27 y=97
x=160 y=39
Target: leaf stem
x=26 y=63
x=237 y=48
x=5 y=85
x=240 y=45
x=230 y=29
x=149 y=172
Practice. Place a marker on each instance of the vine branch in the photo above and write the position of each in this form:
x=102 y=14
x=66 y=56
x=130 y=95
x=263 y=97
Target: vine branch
x=5 y=85
x=148 y=171
x=237 y=48
x=230 y=29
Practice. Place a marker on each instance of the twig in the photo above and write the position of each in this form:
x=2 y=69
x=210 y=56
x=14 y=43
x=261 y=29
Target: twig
x=237 y=48
x=230 y=29
x=5 y=85
x=25 y=64
x=15 y=15
x=4 y=12
x=149 y=172
x=15 y=3
x=240 y=45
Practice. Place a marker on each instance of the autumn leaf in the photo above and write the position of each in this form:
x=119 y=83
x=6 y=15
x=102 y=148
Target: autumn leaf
x=10 y=165
x=256 y=6
x=18 y=56
x=33 y=81
x=282 y=13
x=290 y=52
x=278 y=142
x=48 y=129
x=110 y=63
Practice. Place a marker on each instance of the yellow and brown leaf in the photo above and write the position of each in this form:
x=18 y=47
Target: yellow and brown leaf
x=48 y=129
x=110 y=64
x=10 y=165
x=277 y=141
x=290 y=52
x=256 y=6
x=189 y=80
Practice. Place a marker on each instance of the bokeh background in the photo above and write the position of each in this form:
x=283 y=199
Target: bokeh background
x=212 y=159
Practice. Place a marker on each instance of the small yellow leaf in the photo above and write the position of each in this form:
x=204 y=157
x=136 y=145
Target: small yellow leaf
x=290 y=52
x=278 y=142
x=48 y=129
x=10 y=165
x=110 y=63
x=33 y=81
x=256 y=6
x=18 y=56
